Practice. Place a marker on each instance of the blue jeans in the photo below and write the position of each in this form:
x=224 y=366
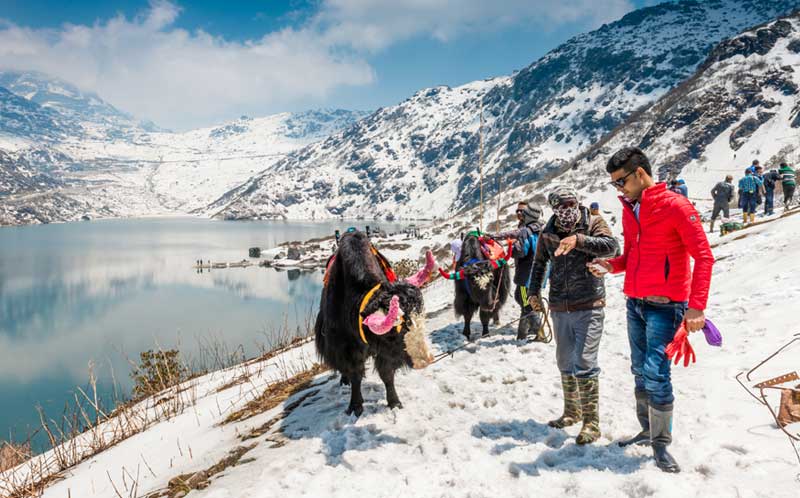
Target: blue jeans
x=769 y=201
x=749 y=202
x=650 y=328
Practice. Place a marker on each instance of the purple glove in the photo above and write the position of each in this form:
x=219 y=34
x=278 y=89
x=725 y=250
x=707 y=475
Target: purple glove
x=713 y=337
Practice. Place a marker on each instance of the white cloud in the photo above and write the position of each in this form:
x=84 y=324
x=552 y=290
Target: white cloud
x=376 y=24
x=179 y=78
x=147 y=66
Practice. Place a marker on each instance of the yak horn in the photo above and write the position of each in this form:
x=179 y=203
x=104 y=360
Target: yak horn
x=379 y=323
x=422 y=276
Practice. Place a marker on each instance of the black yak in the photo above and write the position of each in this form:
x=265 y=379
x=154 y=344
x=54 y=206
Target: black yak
x=480 y=283
x=365 y=312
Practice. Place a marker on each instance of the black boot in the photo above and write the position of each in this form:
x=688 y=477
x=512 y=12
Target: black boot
x=661 y=437
x=523 y=327
x=643 y=414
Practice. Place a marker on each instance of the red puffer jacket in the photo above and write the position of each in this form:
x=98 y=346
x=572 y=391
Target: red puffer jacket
x=657 y=248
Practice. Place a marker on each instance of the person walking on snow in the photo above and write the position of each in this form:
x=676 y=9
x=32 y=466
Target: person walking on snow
x=571 y=239
x=749 y=186
x=770 y=180
x=662 y=232
x=525 y=238
x=788 y=182
x=722 y=193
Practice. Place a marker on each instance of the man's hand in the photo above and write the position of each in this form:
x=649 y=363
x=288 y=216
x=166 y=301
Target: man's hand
x=695 y=320
x=596 y=265
x=567 y=245
x=536 y=303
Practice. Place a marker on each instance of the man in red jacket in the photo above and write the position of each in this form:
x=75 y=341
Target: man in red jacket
x=662 y=232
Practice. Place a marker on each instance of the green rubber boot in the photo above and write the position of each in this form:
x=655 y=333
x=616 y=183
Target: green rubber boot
x=589 y=390
x=572 y=403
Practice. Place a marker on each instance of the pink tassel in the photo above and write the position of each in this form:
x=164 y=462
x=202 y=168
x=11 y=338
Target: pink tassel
x=379 y=323
x=422 y=276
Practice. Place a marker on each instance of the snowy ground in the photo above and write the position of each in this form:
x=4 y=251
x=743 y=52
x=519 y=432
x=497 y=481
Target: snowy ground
x=475 y=424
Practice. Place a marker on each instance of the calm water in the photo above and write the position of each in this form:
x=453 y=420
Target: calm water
x=97 y=292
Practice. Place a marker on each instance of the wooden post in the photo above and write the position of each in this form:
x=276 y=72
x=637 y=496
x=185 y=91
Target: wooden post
x=480 y=166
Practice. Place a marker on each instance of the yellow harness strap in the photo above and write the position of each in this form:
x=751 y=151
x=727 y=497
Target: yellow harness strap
x=364 y=303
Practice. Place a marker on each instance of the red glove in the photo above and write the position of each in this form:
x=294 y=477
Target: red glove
x=681 y=348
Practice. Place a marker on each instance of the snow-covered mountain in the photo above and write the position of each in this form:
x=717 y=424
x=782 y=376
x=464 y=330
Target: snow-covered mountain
x=20 y=117
x=743 y=103
x=98 y=161
x=87 y=109
x=420 y=158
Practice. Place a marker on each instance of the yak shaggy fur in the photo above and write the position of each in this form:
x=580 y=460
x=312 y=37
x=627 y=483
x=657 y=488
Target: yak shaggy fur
x=352 y=274
x=479 y=289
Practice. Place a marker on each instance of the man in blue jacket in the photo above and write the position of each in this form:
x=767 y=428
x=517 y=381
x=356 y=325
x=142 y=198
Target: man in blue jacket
x=749 y=187
x=525 y=239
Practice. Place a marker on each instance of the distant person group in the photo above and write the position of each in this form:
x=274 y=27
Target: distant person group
x=755 y=188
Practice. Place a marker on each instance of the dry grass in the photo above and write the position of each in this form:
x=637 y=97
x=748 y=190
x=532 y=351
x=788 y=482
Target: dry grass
x=276 y=394
x=12 y=455
x=182 y=485
x=86 y=428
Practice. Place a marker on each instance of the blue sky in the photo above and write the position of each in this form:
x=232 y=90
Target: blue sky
x=188 y=64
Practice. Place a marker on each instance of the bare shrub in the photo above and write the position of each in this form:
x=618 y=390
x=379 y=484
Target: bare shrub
x=157 y=371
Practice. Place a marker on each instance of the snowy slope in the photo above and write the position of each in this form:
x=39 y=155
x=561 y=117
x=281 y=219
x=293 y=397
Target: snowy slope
x=742 y=104
x=475 y=424
x=420 y=157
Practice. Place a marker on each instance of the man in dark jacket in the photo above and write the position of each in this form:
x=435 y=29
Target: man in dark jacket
x=770 y=179
x=571 y=239
x=524 y=249
x=722 y=193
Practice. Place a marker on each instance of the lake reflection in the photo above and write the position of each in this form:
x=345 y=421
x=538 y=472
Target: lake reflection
x=101 y=291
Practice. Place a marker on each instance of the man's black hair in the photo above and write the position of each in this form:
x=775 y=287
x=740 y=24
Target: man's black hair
x=629 y=159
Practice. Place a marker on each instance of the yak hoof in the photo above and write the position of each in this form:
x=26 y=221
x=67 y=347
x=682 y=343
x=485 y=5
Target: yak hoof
x=467 y=335
x=395 y=404
x=356 y=410
x=485 y=333
x=344 y=381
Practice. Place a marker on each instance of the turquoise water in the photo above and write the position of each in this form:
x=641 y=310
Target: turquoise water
x=103 y=291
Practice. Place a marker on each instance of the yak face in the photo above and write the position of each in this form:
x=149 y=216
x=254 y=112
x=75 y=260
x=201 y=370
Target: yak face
x=397 y=314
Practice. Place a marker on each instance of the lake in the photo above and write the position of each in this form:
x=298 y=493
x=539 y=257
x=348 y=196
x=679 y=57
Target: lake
x=104 y=291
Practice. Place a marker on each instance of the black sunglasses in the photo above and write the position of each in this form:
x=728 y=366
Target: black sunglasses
x=620 y=182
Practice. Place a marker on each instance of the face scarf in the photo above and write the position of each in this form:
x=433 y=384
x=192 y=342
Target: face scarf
x=567 y=217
